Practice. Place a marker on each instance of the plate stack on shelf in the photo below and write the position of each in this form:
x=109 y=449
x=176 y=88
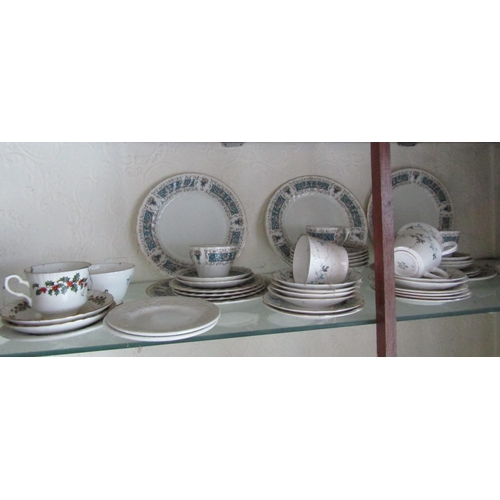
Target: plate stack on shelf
x=313 y=300
x=23 y=319
x=241 y=283
x=465 y=263
x=431 y=291
x=358 y=254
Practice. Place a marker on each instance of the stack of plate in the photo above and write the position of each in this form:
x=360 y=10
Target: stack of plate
x=431 y=291
x=457 y=260
x=331 y=300
x=164 y=319
x=241 y=283
x=23 y=319
x=358 y=254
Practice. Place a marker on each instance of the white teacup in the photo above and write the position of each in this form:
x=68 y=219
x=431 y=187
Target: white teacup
x=113 y=278
x=416 y=255
x=213 y=261
x=447 y=247
x=57 y=289
x=319 y=261
x=335 y=234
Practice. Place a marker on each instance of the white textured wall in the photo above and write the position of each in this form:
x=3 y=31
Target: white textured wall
x=79 y=201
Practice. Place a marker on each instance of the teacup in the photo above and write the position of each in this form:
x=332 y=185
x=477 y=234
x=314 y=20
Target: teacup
x=113 y=278
x=58 y=289
x=447 y=247
x=450 y=236
x=319 y=261
x=416 y=255
x=335 y=234
x=213 y=261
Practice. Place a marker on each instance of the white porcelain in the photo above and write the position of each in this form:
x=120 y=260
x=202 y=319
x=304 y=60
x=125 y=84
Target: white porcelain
x=319 y=261
x=254 y=282
x=236 y=273
x=67 y=326
x=311 y=302
x=353 y=303
x=213 y=261
x=447 y=247
x=286 y=278
x=432 y=302
x=162 y=316
x=335 y=234
x=188 y=209
x=485 y=273
x=57 y=289
x=418 y=195
x=295 y=292
x=112 y=277
x=20 y=313
x=417 y=254
x=311 y=200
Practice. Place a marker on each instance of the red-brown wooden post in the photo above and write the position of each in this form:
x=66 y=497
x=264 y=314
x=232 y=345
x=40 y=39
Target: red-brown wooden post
x=383 y=235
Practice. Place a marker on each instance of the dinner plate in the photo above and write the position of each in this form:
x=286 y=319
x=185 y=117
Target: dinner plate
x=161 y=338
x=309 y=303
x=418 y=196
x=248 y=285
x=213 y=285
x=162 y=316
x=431 y=302
x=69 y=326
x=18 y=312
x=235 y=273
x=312 y=316
x=311 y=200
x=354 y=302
x=297 y=292
x=285 y=277
x=184 y=210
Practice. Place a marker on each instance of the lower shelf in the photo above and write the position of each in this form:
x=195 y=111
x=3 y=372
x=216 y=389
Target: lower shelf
x=246 y=318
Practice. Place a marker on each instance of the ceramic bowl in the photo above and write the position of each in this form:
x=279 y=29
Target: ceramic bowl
x=113 y=278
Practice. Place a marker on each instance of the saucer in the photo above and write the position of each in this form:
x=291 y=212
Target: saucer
x=19 y=313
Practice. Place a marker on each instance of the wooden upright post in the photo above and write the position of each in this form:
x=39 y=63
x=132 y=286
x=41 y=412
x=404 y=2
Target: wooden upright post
x=383 y=235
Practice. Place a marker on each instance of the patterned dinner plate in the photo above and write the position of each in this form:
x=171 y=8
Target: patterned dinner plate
x=417 y=196
x=184 y=210
x=311 y=200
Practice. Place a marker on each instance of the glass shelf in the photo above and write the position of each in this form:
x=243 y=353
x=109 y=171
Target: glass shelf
x=246 y=318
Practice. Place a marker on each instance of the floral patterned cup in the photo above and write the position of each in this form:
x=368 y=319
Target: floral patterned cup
x=417 y=255
x=335 y=234
x=213 y=261
x=58 y=289
x=112 y=277
x=319 y=261
x=448 y=246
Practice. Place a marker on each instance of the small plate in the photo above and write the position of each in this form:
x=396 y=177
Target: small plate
x=69 y=326
x=162 y=316
x=286 y=278
x=485 y=273
x=235 y=273
x=20 y=313
x=430 y=302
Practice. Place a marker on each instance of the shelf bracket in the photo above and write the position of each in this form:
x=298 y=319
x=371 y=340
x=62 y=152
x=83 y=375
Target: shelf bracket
x=383 y=243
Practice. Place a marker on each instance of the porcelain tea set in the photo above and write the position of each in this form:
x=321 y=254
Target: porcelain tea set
x=63 y=296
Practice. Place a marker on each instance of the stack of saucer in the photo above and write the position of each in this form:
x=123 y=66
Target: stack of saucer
x=358 y=254
x=457 y=260
x=431 y=291
x=240 y=283
x=330 y=300
x=21 y=318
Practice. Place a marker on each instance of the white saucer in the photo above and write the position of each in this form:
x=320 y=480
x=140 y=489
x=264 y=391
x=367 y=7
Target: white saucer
x=163 y=316
x=430 y=302
x=19 y=313
x=57 y=328
x=235 y=273
x=285 y=277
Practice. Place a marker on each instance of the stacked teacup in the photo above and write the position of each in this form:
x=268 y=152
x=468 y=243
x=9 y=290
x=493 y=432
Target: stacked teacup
x=214 y=276
x=418 y=252
x=320 y=283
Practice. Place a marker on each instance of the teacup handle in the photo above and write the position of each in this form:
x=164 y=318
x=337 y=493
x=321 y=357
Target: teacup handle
x=436 y=273
x=449 y=247
x=17 y=294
